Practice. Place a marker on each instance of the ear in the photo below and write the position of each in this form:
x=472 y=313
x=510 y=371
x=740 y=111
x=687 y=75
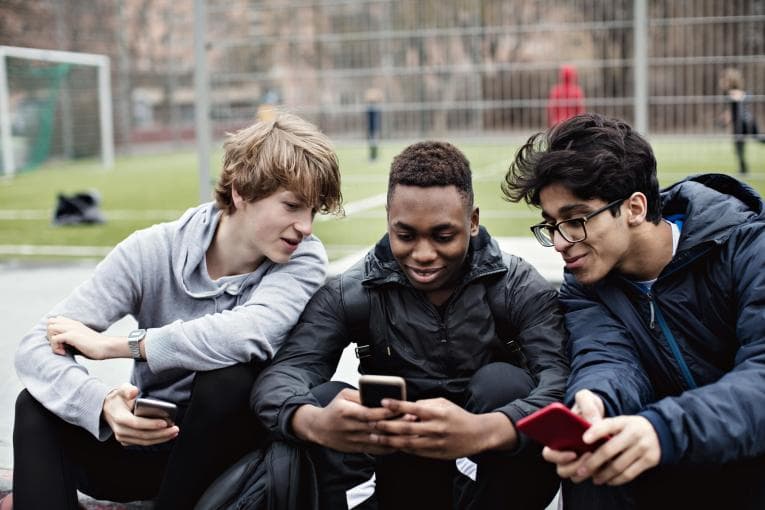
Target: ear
x=474 y=217
x=637 y=208
x=237 y=198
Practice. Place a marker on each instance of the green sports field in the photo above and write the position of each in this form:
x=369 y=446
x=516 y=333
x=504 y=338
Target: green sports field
x=143 y=190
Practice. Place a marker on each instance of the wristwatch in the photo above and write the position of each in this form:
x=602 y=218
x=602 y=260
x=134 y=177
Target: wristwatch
x=134 y=339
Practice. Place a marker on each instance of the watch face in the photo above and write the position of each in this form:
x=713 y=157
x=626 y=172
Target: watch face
x=137 y=334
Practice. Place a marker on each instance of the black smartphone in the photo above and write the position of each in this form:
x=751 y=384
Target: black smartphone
x=374 y=388
x=154 y=408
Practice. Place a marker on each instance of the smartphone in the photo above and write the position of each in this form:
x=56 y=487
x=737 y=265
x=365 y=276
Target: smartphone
x=374 y=388
x=153 y=408
x=557 y=427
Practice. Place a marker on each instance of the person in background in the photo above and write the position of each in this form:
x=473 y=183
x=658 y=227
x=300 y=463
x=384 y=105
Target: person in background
x=373 y=97
x=566 y=98
x=663 y=300
x=214 y=294
x=739 y=115
x=476 y=333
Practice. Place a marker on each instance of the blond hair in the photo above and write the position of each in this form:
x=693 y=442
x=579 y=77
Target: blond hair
x=731 y=78
x=286 y=152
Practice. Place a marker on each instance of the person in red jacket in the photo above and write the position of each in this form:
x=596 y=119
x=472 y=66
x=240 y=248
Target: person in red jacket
x=566 y=97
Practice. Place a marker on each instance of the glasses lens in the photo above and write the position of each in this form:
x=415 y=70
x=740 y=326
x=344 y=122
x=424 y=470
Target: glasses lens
x=543 y=233
x=572 y=230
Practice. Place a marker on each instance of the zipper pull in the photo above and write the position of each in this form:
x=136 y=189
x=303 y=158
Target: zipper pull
x=387 y=348
x=652 y=324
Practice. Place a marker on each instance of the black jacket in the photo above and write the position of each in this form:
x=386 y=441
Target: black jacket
x=690 y=355
x=437 y=356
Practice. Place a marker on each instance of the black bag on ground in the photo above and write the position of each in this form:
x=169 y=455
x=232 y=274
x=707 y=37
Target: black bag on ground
x=278 y=477
x=78 y=209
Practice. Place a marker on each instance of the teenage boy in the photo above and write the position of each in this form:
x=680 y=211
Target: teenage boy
x=663 y=295
x=435 y=302
x=220 y=287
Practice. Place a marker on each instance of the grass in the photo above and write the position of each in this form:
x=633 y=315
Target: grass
x=142 y=190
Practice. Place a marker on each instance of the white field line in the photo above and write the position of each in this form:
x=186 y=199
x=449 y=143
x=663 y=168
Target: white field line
x=358 y=208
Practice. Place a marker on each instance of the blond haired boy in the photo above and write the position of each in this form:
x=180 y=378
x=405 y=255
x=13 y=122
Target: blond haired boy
x=214 y=294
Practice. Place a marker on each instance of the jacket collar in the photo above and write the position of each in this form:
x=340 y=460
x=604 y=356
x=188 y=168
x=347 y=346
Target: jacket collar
x=484 y=257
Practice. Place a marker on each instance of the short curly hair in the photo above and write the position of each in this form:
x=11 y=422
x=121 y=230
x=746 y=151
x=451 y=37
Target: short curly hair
x=431 y=163
x=286 y=152
x=591 y=155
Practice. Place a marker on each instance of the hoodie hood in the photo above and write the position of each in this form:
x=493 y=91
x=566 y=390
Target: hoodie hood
x=568 y=74
x=188 y=256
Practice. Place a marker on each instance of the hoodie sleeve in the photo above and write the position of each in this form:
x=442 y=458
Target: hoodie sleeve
x=252 y=330
x=59 y=383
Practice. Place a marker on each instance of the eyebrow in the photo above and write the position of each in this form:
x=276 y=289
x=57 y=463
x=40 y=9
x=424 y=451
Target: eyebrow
x=567 y=211
x=439 y=227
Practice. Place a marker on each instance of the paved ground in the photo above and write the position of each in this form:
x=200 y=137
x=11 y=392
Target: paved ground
x=28 y=291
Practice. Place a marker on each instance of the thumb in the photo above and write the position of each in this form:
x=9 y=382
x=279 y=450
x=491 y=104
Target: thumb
x=588 y=406
x=128 y=391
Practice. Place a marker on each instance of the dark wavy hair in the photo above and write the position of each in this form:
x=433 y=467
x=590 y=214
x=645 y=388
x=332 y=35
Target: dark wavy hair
x=592 y=156
x=427 y=164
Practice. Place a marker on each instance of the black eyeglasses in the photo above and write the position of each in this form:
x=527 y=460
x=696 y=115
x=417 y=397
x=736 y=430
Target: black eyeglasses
x=572 y=230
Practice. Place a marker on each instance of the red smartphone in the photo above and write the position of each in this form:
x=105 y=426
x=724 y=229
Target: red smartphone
x=557 y=427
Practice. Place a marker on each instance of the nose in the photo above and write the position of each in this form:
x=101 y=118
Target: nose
x=559 y=243
x=304 y=223
x=423 y=253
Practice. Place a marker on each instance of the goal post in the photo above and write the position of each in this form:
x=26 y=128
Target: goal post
x=10 y=165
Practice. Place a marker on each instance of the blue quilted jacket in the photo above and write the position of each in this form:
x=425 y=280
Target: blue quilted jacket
x=689 y=355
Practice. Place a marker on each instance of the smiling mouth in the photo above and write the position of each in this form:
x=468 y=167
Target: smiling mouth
x=574 y=262
x=424 y=275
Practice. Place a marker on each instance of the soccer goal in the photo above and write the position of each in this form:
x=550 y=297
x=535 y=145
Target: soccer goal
x=53 y=104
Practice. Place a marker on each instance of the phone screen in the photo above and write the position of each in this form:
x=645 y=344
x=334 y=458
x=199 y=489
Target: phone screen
x=373 y=393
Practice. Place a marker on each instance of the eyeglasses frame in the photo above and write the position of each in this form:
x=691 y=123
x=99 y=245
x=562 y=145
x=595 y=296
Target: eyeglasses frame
x=583 y=219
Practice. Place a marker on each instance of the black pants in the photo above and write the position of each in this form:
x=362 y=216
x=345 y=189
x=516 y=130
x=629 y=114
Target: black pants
x=739 y=485
x=53 y=459
x=504 y=480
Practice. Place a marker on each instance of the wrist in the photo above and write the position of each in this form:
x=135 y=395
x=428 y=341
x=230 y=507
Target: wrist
x=499 y=432
x=303 y=422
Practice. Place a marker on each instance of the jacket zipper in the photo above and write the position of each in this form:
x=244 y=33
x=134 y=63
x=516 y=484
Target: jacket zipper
x=656 y=315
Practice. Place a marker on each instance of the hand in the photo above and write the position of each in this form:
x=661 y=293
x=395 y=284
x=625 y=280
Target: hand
x=632 y=449
x=590 y=407
x=130 y=429
x=62 y=332
x=344 y=425
x=443 y=430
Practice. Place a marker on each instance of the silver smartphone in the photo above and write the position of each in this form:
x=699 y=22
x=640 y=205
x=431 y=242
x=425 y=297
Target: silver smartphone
x=154 y=408
x=374 y=388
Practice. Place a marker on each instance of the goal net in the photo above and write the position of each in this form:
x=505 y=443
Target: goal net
x=53 y=105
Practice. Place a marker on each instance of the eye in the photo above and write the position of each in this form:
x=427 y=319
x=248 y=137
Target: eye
x=443 y=238
x=404 y=236
x=291 y=206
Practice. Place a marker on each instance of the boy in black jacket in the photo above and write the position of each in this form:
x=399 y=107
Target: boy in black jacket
x=428 y=289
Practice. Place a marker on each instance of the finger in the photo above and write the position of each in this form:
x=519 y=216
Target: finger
x=410 y=428
x=148 y=439
x=630 y=473
x=571 y=469
x=604 y=428
x=422 y=410
x=558 y=456
x=350 y=395
x=587 y=406
x=412 y=443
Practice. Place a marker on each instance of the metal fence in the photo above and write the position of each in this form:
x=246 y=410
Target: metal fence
x=432 y=67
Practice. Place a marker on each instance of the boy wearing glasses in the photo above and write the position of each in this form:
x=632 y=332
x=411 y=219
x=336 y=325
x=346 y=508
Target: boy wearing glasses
x=664 y=295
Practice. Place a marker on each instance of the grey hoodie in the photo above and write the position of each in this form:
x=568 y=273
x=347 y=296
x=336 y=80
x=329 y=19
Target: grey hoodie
x=159 y=276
